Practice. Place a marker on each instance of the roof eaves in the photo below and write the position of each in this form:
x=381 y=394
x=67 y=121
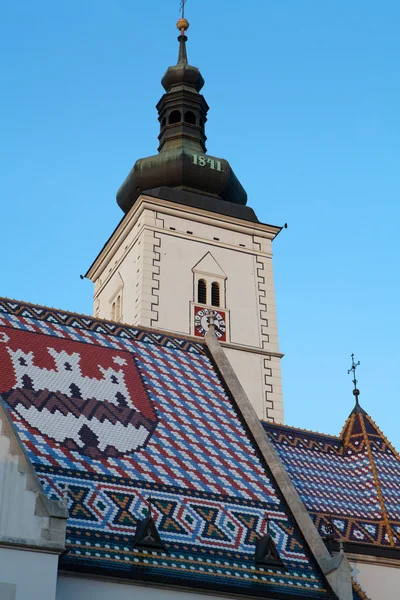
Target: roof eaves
x=359 y=591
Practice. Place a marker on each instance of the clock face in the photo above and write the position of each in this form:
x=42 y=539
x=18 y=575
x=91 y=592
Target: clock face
x=202 y=318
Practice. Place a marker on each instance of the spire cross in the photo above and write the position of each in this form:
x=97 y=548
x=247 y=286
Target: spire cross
x=182 y=8
x=352 y=369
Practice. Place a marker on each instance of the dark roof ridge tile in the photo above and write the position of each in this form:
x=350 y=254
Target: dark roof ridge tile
x=300 y=430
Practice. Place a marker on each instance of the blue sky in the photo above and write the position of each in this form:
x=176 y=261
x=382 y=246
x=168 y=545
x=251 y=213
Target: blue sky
x=304 y=101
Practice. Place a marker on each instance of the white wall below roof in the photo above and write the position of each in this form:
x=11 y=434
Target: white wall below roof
x=250 y=367
x=379 y=582
x=34 y=575
x=74 y=588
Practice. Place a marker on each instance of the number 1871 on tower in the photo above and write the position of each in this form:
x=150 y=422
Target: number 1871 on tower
x=203 y=161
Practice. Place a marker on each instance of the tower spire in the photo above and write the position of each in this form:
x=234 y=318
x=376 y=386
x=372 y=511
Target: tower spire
x=181 y=162
x=352 y=369
x=182 y=25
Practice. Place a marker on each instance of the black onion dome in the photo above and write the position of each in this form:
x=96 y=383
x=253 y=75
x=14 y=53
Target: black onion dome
x=182 y=162
x=182 y=72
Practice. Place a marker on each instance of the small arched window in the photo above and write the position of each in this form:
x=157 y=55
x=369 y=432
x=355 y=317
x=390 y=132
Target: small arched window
x=118 y=308
x=215 y=296
x=174 y=117
x=113 y=311
x=190 y=117
x=202 y=291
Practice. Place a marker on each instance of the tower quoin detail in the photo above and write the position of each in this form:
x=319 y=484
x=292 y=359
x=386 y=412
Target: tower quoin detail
x=189 y=249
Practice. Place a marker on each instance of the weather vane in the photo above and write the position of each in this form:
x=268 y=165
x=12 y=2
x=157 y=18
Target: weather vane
x=182 y=8
x=352 y=369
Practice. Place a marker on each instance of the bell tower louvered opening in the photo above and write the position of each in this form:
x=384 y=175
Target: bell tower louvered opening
x=202 y=291
x=215 y=295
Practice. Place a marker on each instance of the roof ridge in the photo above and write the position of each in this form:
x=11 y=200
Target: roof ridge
x=376 y=478
x=348 y=424
x=300 y=429
x=379 y=430
x=356 y=586
x=164 y=332
x=345 y=425
x=36 y=305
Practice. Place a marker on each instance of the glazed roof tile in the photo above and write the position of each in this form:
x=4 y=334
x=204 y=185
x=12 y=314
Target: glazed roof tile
x=352 y=480
x=113 y=414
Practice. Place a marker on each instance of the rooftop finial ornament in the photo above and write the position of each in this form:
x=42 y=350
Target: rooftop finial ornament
x=182 y=24
x=353 y=368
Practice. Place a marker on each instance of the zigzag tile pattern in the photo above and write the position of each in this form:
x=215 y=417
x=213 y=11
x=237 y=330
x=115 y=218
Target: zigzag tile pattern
x=67 y=325
x=114 y=415
x=352 y=480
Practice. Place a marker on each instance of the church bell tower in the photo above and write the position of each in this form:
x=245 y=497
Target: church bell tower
x=189 y=247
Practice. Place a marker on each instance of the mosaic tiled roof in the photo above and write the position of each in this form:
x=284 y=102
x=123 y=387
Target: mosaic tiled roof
x=115 y=413
x=352 y=481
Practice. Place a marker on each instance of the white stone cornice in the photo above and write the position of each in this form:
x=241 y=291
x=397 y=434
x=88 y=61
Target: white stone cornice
x=180 y=210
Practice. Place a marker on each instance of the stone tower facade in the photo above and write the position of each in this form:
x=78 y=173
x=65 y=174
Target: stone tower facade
x=189 y=249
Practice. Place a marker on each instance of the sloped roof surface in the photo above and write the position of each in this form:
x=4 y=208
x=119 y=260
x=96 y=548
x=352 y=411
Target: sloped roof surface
x=352 y=480
x=117 y=414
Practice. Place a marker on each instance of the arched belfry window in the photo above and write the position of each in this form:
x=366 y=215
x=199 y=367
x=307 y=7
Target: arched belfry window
x=202 y=291
x=190 y=117
x=175 y=117
x=215 y=295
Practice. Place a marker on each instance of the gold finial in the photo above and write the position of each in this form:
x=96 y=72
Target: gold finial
x=182 y=25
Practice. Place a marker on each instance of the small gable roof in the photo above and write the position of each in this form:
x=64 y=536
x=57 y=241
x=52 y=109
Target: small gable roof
x=209 y=266
x=112 y=414
x=352 y=481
